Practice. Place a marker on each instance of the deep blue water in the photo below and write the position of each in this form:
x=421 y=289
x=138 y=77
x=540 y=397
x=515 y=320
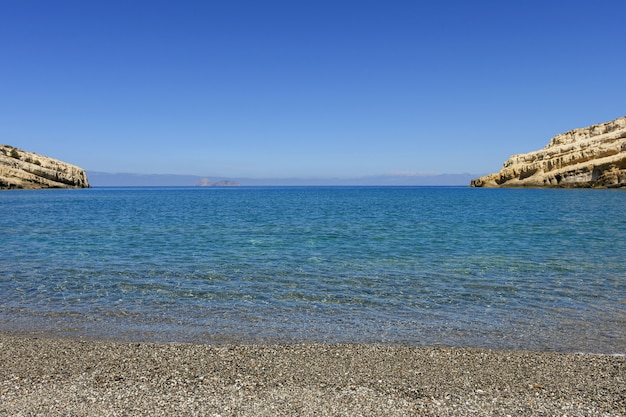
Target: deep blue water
x=529 y=268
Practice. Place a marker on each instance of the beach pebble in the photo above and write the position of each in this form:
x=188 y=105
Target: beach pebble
x=65 y=377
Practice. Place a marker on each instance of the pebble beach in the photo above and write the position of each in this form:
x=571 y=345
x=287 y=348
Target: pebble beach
x=60 y=377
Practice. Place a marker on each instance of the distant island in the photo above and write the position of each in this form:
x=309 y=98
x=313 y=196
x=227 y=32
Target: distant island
x=27 y=170
x=590 y=157
x=205 y=182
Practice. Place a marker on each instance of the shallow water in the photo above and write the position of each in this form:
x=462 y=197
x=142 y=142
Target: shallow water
x=531 y=269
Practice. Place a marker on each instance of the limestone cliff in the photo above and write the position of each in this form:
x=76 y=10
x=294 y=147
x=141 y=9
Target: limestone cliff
x=21 y=169
x=593 y=156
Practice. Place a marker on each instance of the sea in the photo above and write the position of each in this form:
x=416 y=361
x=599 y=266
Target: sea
x=533 y=269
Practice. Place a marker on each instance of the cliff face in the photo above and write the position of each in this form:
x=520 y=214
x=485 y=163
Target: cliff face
x=21 y=169
x=593 y=156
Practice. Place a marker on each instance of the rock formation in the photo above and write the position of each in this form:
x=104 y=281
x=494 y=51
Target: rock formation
x=205 y=182
x=593 y=156
x=21 y=169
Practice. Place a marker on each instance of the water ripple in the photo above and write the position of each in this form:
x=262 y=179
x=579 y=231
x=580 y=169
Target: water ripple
x=536 y=269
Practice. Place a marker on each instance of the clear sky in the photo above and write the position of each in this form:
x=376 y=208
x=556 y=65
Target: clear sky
x=305 y=88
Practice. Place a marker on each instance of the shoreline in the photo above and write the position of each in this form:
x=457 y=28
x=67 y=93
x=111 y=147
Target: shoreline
x=88 y=378
x=60 y=328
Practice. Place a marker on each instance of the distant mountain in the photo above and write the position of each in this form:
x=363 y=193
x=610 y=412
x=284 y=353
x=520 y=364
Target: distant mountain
x=380 y=180
x=104 y=179
x=101 y=179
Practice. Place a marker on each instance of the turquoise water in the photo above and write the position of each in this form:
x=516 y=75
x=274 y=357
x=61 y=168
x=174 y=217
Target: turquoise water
x=529 y=268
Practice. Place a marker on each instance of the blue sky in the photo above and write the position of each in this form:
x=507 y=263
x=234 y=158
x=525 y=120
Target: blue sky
x=304 y=88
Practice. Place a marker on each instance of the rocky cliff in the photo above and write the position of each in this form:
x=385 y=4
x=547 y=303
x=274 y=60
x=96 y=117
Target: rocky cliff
x=21 y=169
x=593 y=156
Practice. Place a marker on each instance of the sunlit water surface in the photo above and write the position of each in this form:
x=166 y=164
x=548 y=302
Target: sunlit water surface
x=530 y=269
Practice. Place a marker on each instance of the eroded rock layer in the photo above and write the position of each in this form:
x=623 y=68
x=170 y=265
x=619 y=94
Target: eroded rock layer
x=593 y=156
x=22 y=169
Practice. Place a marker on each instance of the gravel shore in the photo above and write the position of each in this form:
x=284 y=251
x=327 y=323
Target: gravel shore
x=55 y=377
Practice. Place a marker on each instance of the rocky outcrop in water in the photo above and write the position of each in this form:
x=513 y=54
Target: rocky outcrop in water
x=27 y=170
x=205 y=182
x=590 y=157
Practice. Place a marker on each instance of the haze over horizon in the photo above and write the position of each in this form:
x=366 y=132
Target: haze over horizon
x=283 y=89
x=102 y=179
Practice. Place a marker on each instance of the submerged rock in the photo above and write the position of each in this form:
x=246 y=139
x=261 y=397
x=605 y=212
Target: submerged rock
x=590 y=157
x=27 y=170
